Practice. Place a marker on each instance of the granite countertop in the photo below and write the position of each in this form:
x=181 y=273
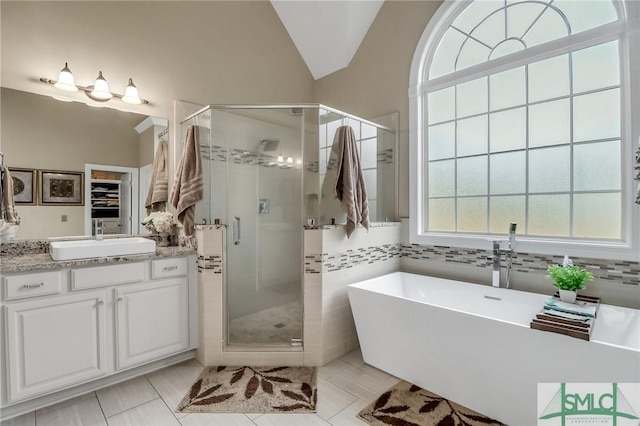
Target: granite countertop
x=38 y=261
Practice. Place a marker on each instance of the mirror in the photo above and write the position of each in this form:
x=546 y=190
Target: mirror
x=59 y=138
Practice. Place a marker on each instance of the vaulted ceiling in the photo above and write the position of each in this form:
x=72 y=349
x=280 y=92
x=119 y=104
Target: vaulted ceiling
x=327 y=33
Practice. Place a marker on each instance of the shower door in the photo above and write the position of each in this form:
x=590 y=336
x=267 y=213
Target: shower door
x=264 y=227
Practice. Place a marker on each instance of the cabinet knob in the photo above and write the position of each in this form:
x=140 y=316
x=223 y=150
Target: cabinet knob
x=120 y=299
x=100 y=302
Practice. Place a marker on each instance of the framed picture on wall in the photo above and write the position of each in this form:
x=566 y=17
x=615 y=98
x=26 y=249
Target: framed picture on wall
x=24 y=185
x=59 y=188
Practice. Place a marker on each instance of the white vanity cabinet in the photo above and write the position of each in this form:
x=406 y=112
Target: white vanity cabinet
x=55 y=342
x=76 y=326
x=152 y=320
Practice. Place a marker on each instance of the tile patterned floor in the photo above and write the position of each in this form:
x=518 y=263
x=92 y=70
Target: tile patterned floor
x=345 y=386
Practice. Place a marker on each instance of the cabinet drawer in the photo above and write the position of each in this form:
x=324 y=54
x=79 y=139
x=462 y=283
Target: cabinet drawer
x=29 y=285
x=100 y=276
x=173 y=267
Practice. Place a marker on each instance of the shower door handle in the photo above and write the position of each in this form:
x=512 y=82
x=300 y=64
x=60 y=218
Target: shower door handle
x=236 y=230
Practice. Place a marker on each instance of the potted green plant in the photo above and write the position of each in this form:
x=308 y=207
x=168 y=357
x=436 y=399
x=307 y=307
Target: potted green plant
x=569 y=279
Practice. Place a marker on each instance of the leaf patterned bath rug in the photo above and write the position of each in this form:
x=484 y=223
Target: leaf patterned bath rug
x=252 y=390
x=406 y=404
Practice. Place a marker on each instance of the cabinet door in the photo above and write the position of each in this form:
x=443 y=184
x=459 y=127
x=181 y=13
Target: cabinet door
x=55 y=343
x=152 y=321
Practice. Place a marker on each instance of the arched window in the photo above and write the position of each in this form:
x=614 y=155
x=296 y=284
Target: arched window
x=521 y=112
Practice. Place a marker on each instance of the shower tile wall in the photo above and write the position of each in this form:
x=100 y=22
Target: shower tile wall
x=329 y=329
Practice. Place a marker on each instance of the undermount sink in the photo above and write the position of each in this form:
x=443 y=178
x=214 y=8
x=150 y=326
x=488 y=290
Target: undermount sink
x=83 y=249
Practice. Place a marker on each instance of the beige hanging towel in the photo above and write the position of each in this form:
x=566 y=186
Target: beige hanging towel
x=158 y=194
x=188 y=187
x=350 y=188
x=9 y=213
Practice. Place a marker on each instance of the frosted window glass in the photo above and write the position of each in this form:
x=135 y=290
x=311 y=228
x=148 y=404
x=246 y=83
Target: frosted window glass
x=473 y=14
x=371 y=181
x=444 y=59
x=549 y=27
x=520 y=17
x=472 y=176
x=507 y=47
x=472 y=136
x=442 y=141
x=549 y=123
x=508 y=130
x=472 y=53
x=508 y=89
x=596 y=116
x=368 y=131
x=442 y=216
x=549 y=169
x=491 y=31
x=508 y=173
x=586 y=16
x=549 y=78
x=596 y=67
x=369 y=153
x=596 y=166
x=549 y=215
x=441 y=178
x=597 y=215
x=442 y=105
x=504 y=210
x=472 y=97
x=472 y=214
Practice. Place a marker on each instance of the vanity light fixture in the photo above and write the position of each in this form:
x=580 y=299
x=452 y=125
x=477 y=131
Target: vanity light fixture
x=99 y=91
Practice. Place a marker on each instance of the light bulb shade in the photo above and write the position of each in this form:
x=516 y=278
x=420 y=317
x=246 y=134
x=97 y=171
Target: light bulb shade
x=290 y=160
x=101 y=89
x=131 y=95
x=65 y=80
x=280 y=158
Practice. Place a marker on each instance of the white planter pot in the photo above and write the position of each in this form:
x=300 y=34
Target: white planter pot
x=568 y=296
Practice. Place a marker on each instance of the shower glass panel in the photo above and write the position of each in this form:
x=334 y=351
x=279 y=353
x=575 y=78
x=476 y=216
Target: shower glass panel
x=254 y=184
x=267 y=169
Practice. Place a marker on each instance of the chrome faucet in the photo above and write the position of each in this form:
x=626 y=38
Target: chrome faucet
x=98 y=229
x=495 y=258
x=495 y=277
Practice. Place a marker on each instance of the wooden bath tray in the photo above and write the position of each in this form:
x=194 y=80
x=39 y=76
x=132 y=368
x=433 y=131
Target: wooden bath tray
x=580 y=330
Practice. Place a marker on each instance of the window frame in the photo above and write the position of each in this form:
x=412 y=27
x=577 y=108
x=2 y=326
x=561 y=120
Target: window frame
x=627 y=31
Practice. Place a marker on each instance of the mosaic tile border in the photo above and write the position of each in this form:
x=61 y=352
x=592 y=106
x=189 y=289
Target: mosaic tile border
x=625 y=272
x=213 y=263
x=323 y=263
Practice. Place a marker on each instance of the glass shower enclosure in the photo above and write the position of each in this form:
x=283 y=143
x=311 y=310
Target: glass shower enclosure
x=267 y=170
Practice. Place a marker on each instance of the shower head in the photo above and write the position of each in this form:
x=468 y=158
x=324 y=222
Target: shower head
x=268 y=145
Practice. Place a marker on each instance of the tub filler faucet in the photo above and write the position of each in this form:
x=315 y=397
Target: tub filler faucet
x=496 y=257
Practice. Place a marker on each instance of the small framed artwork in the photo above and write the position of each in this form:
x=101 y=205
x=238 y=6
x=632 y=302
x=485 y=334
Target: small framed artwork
x=24 y=185
x=58 y=188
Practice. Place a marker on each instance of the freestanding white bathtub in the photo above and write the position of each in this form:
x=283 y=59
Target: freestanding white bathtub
x=472 y=343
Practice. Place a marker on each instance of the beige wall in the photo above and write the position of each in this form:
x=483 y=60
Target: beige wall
x=376 y=81
x=203 y=51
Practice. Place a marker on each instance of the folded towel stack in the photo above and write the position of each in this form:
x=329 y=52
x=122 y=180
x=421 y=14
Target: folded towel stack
x=581 y=309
